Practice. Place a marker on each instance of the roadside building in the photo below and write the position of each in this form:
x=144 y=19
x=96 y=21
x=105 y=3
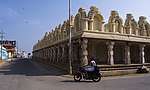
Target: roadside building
x=10 y=47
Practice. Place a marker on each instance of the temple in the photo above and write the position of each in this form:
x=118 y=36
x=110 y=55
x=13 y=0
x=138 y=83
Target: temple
x=115 y=45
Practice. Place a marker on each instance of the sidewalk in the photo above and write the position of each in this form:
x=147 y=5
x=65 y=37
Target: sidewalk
x=2 y=63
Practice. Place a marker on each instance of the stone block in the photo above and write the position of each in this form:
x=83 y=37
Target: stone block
x=143 y=69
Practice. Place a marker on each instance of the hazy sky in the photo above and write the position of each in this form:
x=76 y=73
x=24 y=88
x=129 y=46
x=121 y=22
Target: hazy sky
x=27 y=20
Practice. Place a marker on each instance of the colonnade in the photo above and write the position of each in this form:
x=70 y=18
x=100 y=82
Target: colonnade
x=58 y=54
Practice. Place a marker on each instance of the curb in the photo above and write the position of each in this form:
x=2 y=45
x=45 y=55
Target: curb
x=67 y=76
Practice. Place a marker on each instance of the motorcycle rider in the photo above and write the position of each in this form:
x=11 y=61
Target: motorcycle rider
x=91 y=66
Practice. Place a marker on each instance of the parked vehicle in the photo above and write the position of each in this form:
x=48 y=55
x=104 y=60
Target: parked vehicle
x=93 y=75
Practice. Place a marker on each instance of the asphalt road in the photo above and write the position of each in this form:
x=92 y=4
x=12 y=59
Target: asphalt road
x=27 y=75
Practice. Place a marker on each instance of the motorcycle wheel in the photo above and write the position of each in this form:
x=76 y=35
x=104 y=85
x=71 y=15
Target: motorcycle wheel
x=77 y=77
x=97 y=77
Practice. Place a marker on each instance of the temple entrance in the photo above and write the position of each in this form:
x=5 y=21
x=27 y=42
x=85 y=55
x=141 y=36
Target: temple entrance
x=135 y=54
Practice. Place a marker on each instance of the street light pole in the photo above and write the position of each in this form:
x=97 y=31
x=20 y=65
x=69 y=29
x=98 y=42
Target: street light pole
x=2 y=33
x=70 y=57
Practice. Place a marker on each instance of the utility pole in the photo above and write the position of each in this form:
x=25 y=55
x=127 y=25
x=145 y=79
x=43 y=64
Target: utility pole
x=2 y=36
x=70 y=55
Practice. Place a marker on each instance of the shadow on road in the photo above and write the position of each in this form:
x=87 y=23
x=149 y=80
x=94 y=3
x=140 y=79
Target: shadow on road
x=28 y=68
x=82 y=81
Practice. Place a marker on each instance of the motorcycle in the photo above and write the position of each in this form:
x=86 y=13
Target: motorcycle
x=93 y=75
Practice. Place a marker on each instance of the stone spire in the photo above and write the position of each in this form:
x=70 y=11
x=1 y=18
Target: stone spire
x=130 y=25
x=143 y=26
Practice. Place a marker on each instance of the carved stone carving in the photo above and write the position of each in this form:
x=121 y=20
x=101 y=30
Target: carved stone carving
x=142 y=54
x=78 y=19
x=84 y=58
x=110 y=53
x=82 y=12
x=127 y=54
x=95 y=19
x=115 y=23
x=59 y=31
x=130 y=25
x=143 y=26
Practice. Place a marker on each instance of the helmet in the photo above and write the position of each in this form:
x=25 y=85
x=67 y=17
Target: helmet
x=93 y=63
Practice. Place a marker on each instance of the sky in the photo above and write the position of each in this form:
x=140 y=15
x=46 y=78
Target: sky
x=26 y=21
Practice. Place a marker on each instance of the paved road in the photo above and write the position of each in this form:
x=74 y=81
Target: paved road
x=27 y=75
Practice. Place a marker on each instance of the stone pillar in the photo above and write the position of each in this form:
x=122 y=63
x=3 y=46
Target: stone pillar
x=90 y=25
x=110 y=53
x=142 y=32
x=54 y=54
x=128 y=30
x=113 y=27
x=42 y=54
x=85 y=24
x=84 y=59
x=39 y=54
x=47 y=54
x=58 y=54
x=50 y=53
x=142 y=53
x=63 y=53
x=127 y=54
